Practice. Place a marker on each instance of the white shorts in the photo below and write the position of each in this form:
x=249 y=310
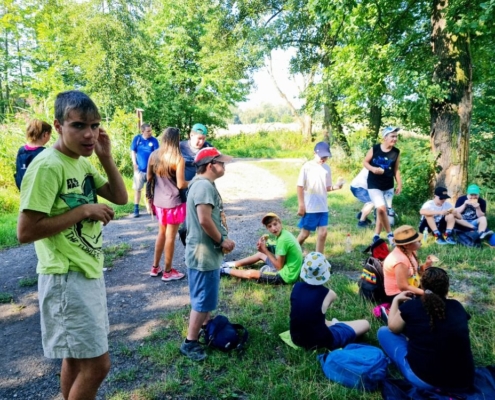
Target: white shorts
x=378 y=197
x=74 y=316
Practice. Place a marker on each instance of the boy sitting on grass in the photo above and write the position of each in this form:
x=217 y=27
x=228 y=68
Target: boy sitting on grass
x=282 y=267
x=310 y=301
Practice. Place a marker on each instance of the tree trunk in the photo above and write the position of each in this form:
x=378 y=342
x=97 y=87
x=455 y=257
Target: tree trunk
x=451 y=116
x=305 y=121
x=375 y=121
x=333 y=124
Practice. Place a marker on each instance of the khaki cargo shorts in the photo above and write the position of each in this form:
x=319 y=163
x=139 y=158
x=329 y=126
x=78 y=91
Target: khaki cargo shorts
x=74 y=316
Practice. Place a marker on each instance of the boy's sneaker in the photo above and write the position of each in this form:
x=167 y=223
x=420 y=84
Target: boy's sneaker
x=450 y=240
x=484 y=234
x=155 y=271
x=224 y=270
x=363 y=224
x=172 y=275
x=359 y=214
x=440 y=240
x=391 y=240
x=193 y=350
x=375 y=239
x=136 y=214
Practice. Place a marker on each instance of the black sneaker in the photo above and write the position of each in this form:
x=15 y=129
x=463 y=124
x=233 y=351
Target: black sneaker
x=136 y=214
x=193 y=350
x=484 y=234
x=362 y=224
x=358 y=215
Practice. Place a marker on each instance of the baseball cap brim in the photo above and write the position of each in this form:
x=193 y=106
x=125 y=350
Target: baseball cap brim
x=222 y=158
x=269 y=215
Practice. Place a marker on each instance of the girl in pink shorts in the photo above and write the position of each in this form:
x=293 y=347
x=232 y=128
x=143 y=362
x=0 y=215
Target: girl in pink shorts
x=166 y=173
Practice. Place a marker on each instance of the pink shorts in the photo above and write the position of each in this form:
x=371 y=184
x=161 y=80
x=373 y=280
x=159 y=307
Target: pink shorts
x=171 y=216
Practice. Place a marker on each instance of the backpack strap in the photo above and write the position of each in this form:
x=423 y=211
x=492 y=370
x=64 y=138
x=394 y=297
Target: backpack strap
x=244 y=336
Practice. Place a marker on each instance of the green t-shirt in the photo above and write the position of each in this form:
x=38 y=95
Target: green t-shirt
x=201 y=251
x=54 y=184
x=288 y=246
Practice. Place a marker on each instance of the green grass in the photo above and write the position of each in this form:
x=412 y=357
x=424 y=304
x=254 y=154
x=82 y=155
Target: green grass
x=6 y=297
x=27 y=282
x=115 y=252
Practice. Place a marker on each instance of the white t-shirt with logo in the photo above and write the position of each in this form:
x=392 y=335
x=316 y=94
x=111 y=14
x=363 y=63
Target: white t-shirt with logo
x=431 y=206
x=315 y=178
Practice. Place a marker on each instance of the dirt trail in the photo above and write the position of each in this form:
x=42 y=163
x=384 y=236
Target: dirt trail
x=135 y=301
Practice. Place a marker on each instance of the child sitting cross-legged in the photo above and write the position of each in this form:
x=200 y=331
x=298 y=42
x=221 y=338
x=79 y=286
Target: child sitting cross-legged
x=282 y=267
x=310 y=301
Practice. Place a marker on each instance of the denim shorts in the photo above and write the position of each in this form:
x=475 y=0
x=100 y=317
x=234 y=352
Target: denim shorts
x=342 y=335
x=311 y=221
x=74 y=317
x=139 y=180
x=361 y=194
x=378 y=197
x=203 y=289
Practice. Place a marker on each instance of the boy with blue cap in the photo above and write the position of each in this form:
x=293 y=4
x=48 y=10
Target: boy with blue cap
x=313 y=183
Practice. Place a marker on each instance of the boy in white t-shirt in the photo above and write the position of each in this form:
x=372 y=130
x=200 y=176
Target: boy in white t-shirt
x=315 y=180
x=438 y=216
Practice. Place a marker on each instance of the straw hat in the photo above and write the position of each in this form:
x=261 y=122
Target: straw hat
x=315 y=269
x=405 y=234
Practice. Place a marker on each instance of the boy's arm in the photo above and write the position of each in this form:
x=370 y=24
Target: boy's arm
x=114 y=190
x=328 y=300
x=277 y=261
x=300 y=200
x=398 y=178
x=208 y=225
x=35 y=225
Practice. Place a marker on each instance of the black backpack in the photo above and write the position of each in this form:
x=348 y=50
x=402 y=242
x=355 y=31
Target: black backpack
x=23 y=159
x=371 y=283
x=468 y=239
x=221 y=334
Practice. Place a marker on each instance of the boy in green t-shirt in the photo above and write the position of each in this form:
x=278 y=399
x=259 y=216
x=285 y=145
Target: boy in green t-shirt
x=60 y=213
x=282 y=267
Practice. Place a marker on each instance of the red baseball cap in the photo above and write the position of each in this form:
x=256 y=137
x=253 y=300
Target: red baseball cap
x=208 y=154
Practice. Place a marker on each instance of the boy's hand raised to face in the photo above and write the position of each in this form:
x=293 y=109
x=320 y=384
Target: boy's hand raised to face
x=103 y=147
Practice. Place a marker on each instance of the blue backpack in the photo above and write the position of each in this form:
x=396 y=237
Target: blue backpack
x=355 y=366
x=221 y=334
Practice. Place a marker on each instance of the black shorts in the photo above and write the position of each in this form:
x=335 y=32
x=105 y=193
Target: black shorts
x=441 y=225
x=271 y=277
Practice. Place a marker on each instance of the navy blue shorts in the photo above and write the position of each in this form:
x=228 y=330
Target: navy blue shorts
x=311 y=221
x=342 y=335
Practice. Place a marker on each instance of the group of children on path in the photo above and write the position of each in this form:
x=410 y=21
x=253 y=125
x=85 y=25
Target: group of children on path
x=60 y=213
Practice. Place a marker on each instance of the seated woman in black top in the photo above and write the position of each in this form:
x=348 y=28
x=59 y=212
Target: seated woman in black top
x=428 y=336
x=309 y=303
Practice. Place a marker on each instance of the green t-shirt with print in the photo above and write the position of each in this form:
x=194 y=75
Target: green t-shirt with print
x=54 y=184
x=288 y=246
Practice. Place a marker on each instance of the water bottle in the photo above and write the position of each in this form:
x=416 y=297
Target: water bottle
x=348 y=244
x=425 y=235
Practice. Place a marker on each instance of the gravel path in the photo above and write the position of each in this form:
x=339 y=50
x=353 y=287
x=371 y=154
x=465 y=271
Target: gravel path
x=135 y=301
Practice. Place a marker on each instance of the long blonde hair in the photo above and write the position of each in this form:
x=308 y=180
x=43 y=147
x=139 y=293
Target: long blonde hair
x=167 y=157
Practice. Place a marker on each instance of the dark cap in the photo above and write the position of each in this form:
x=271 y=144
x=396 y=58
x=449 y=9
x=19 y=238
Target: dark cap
x=322 y=149
x=442 y=193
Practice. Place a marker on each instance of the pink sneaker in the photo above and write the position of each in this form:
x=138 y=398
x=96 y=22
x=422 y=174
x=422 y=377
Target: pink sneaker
x=172 y=275
x=155 y=271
